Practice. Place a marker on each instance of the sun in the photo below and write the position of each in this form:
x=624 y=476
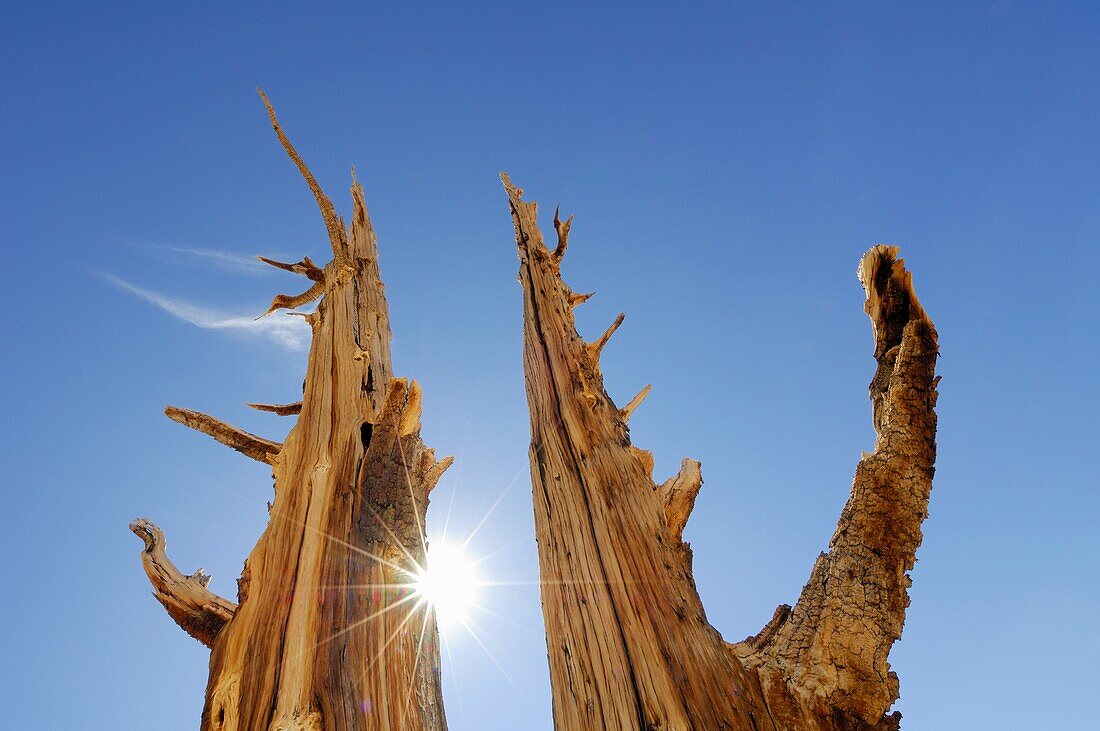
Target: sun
x=448 y=583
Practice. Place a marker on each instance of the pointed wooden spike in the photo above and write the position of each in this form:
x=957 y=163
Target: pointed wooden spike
x=678 y=495
x=410 y=415
x=513 y=191
x=305 y=267
x=562 y=229
x=336 y=233
x=597 y=346
x=250 y=445
x=279 y=409
x=389 y=422
x=635 y=402
x=753 y=643
x=432 y=477
x=579 y=299
x=200 y=612
x=525 y=220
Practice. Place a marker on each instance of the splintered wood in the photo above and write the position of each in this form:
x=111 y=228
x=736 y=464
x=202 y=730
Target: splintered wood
x=328 y=632
x=627 y=637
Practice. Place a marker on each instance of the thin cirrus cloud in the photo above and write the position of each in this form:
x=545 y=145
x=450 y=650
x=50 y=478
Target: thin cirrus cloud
x=224 y=260
x=288 y=332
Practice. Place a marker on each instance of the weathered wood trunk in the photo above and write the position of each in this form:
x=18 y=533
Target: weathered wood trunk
x=328 y=632
x=628 y=641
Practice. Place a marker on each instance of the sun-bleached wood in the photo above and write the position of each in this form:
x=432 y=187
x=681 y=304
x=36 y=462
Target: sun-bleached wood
x=328 y=632
x=628 y=641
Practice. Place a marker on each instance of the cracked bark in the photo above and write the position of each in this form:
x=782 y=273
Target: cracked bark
x=328 y=633
x=628 y=641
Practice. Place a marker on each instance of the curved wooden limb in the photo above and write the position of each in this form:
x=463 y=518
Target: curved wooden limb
x=200 y=612
x=286 y=301
x=833 y=647
x=336 y=234
x=250 y=445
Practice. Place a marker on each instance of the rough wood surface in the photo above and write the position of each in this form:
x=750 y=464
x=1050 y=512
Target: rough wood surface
x=832 y=648
x=328 y=633
x=200 y=612
x=628 y=641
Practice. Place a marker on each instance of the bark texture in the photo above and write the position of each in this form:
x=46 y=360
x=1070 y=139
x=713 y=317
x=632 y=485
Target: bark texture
x=328 y=632
x=628 y=641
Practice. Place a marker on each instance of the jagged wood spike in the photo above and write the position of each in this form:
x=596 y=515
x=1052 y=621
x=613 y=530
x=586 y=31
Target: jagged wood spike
x=305 y=267
x=279 y=409
x=579 y=299
x=250 y=445
x=336 y=232
x=290 y=302
x=200 y=612
x=522 y=210
x=626 y=411
x=645 y=459
x=310 y=317
x=762 y=638
x=597 y=347
x=678 y=495
x=562 y=229
x=435 y=472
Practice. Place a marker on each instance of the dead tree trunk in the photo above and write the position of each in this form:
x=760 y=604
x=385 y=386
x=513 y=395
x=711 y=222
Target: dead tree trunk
x=328 y=632
x=628 y=641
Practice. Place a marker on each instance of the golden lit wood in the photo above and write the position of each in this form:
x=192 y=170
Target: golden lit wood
x=328 y=632
x=628 y=640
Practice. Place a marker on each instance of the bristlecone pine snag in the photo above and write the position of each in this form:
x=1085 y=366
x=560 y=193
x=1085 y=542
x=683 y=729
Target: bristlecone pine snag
x=327 y=632
x=628 y=640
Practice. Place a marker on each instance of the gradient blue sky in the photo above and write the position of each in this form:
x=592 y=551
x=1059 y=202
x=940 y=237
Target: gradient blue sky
x=727 y=165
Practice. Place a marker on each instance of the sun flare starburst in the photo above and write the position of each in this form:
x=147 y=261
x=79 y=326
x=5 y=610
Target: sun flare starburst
x=448 y=583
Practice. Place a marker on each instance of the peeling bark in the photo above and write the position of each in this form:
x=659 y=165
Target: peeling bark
x=628 y=641
x=328 y=633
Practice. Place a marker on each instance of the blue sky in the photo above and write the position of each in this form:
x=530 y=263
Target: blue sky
x=727 y=165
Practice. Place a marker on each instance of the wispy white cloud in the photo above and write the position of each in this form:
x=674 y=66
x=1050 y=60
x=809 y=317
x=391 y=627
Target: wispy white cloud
x=287 y=331
x=221 y=259
x=230 y=261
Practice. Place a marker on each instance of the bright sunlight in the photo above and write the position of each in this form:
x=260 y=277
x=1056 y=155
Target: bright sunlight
x=448 y=583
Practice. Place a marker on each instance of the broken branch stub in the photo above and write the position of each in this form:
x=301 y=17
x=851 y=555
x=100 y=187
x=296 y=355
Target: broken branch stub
x=200 y=612
x=250 y=445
